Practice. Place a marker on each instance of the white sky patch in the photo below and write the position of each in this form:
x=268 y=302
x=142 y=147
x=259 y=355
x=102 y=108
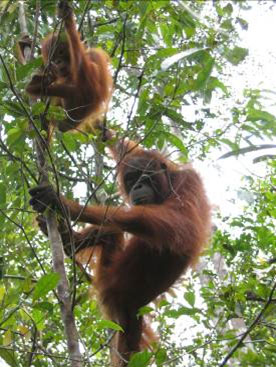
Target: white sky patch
x=223 y=178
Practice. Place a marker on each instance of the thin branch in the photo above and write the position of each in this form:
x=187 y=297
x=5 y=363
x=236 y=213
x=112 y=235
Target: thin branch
x=122 y=51
x=37 y=10
x=17 y=159
x=95 y=25
x=26 y=237
x=34 y=346
x=86 y=9
x=251 y=327
x=18 y=277
x=140 y=80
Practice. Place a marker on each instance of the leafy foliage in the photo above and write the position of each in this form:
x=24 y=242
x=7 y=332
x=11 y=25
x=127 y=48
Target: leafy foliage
x=166 y=56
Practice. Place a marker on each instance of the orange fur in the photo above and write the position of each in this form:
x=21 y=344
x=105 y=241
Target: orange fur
x=166 y=239
x=75 y=77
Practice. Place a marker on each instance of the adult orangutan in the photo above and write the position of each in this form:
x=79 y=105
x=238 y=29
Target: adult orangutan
x=75 y=77
x=168 y=218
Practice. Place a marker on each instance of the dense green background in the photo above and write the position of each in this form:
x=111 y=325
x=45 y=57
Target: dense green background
x=232 y=291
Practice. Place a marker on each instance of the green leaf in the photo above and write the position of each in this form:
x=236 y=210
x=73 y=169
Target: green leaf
x=237 y=55
x=3 y=85
x=167 y=63
x=14 y=136
x=144 y=8
x=23 y=70
x=264 y=157
x=140 y=359
x=108 y=324
x=143 y=102
x=70 y=142
x=166 y=33
x=3 y=189
x=230 y=143
x=251 y=148
x=228 y=9
x=2 y=288
x=243 y=23
x=259 y=115
x=13 y=108
x=190 y=298
x=160 y=357
x=7 y=338
x=8 y=357
x=144 y=310
x=227 y=24
x=39 y=319
x=44 y=306
x=164 y=53
x=56 y=113
x=178 y=118
x=38 y=108
x=176 y=142
x=163 y=303
x=214 y=83
x=204 y=74
x=182 y=311
x=45 y=284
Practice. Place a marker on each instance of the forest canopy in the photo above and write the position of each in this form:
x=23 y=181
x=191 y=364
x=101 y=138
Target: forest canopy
x=185 y=84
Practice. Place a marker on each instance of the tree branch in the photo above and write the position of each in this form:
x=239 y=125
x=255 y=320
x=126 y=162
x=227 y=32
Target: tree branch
x=63 y=289
x=251 y=327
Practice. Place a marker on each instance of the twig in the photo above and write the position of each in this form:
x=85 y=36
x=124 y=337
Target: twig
x=88 y=3
x=26 y=237
x=99 y=24
x=122 y=51
x=34 y=347
x=37 y=9
x=140 y=80
x=18 y=277
x=17 y=159
x=251 y=327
